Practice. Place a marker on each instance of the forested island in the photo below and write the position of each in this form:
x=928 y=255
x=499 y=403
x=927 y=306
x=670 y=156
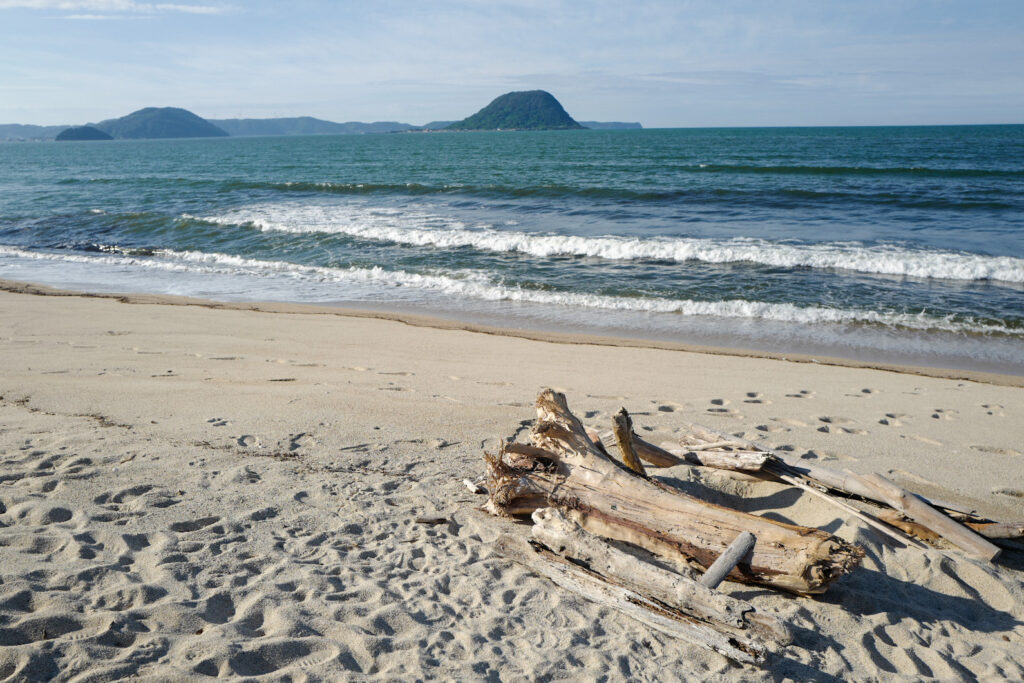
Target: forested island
x=527 y=110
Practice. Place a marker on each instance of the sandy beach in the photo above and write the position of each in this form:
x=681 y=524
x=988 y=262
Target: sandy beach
x=191 y=491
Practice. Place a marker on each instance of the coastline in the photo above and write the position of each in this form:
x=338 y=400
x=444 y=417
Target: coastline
x=193 y=489
x=443 y=323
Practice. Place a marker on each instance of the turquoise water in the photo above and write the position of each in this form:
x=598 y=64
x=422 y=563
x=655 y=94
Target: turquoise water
x=897 y=244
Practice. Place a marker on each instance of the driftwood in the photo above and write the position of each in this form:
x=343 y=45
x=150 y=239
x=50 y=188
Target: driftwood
x=721 y=567
x=624 y=438
x=656 y=615
x=744 y=461
x=681 y=591
x=998 y=531
x=564 y=468
x=910 y=505
x=919 y=516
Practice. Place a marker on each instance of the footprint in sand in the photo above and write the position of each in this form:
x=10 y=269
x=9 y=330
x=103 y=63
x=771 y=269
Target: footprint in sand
x=944 y=414
x=193 y=524
x=803 y=393
x=218 y=422
x=755 y=397
x=719 y=408
x=301 y=440
x=833 y=425
x=831 y=429
x=994 y=450
x=994 y=409
x=772 y=428
x=892 y=420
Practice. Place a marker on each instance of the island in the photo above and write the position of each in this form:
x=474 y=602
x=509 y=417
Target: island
x=527 y=110
x=160 y=122
x=82 y=133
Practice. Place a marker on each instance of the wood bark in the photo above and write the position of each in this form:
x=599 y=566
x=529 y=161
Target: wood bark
x=609 y=500
x=624 y=439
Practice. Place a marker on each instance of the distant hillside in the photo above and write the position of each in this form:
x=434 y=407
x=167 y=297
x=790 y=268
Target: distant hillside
x=82 y=133
x=305 y=125
x=610 y=125
x=160 y=122
x=436 y=125
x=21 y=131
x=529 y=110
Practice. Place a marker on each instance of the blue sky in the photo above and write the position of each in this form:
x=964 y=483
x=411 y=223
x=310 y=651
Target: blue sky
x=677 y=63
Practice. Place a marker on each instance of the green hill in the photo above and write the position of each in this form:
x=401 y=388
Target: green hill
x=529 y=110
x=82 y=133
x=160 y=122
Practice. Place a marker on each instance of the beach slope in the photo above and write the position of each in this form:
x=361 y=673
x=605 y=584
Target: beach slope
x=192 y=491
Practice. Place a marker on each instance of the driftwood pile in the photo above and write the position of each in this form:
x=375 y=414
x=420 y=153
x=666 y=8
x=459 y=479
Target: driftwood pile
x=608 y=531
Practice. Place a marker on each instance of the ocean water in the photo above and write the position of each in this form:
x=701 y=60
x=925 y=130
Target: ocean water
x=901 y=244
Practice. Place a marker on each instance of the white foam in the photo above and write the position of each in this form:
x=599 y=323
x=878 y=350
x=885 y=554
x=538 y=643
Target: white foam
x=423 y=229
x=475 y=285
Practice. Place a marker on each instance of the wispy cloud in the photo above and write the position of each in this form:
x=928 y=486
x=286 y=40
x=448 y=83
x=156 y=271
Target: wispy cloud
x=111 y=6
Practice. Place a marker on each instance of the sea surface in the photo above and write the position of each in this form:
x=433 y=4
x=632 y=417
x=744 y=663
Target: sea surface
x=902 y=244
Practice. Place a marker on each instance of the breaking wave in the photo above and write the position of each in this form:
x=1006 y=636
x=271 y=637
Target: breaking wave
x=475 y=285
x=421 y=229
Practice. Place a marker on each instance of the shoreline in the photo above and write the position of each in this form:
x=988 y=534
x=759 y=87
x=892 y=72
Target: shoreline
x=581 y=338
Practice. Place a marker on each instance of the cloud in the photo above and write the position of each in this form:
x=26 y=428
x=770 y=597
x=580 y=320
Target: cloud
x=120 y=6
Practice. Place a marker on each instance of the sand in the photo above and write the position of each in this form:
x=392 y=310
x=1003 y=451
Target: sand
x=190 y=491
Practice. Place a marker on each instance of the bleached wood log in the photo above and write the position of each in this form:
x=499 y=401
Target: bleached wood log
x=738 y=461
x=574 y=578
x=913 y=507
x=746 y=461
x=907 y=525
x=624 y=438
x=805 y=477
x=606 y=499
x=681 y=591
x=721 y=567
x=877 y=488
x=998 y=530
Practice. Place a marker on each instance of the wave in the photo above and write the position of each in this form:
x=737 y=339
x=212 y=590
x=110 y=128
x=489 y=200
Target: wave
x=763 y=196
x=421 y=229
x=915 y=171
x=476 y=285
x=768 y=196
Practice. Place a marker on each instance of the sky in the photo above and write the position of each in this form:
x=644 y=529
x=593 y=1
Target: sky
x=674 y=63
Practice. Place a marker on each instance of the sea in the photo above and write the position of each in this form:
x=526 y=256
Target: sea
x=880 y=244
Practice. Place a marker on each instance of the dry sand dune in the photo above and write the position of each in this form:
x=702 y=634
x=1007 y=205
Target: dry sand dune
x=189 y=493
